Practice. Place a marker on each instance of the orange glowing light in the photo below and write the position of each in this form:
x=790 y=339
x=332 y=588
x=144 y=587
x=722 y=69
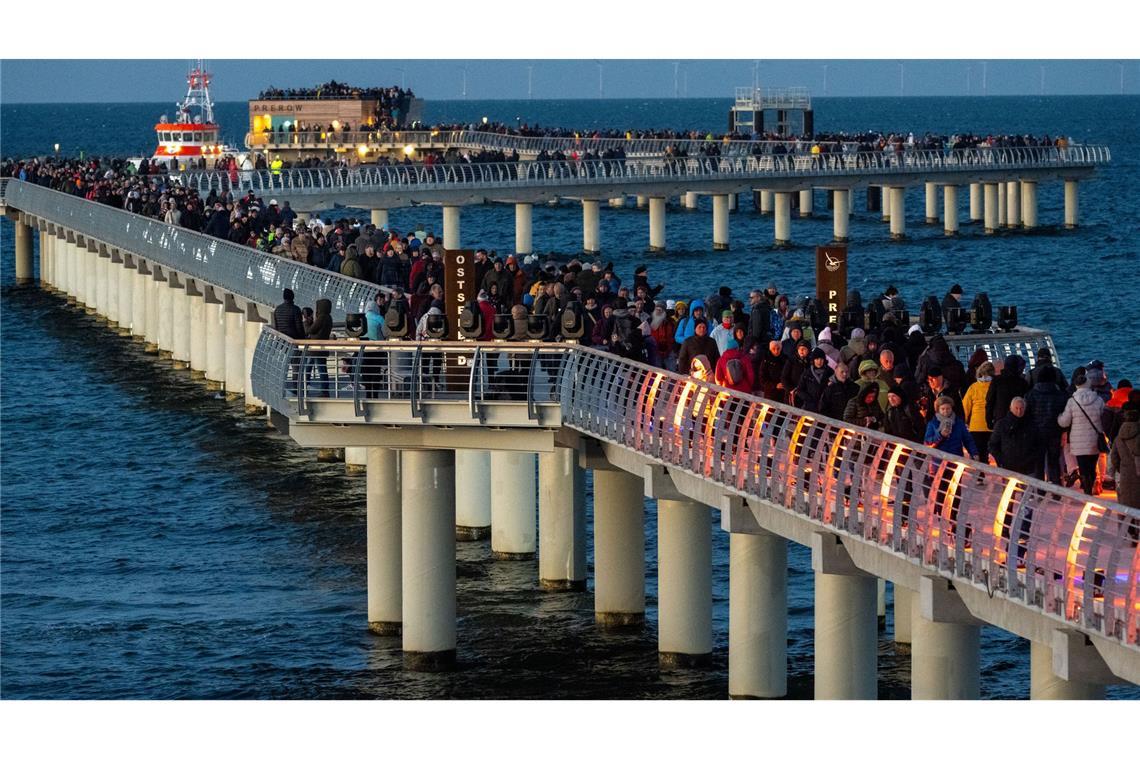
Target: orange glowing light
x=999 y=519
x=1071 y=568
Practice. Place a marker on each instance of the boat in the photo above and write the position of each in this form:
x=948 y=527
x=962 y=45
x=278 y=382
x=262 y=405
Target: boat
x=192 y=139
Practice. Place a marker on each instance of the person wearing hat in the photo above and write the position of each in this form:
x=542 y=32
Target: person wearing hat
x=813 y=381
x=1124 y=459
x=760 y=317
x=952 y=300
x=1044 y=359
x=864 y=409
x=662 y=329
x=722 y=333
x=641 y=280
x=947 y=432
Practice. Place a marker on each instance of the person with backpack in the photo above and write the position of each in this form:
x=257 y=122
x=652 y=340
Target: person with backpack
x=734 y=368
x=1125 y=456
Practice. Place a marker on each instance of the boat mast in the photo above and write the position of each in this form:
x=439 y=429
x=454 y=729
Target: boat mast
x=198 y=95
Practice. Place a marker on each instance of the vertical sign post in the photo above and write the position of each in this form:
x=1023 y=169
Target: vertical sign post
x=831 y=280
x=459 y=290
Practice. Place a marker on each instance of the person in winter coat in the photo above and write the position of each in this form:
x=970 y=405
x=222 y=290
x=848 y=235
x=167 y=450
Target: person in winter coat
x=937 y=385
x=869 y=372
x=760 y=318
x=974 y=408
x=938 y=355
x=686 y=325
x=864 y=409
x=914 y=345
x=977 y=359
x=813 y=381
x=794 y=369
x=1082 y=416
x=374 y=318
x=662 y=329
x=1015 y=443
x=722 y=333
x=1125 y=457
x=1005 y=387
x=316 y=361
x=697 y=345
x=828 y=348
x=855 y=351
x=902 y=418
x=947 y=432
x=1044 y=403
x=734 y=367
x=287 y=317
x=838 y=392
x=770 y=373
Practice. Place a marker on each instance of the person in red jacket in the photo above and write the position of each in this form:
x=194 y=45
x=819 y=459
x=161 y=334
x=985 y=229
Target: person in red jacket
x=734 y=367
x=487 y=309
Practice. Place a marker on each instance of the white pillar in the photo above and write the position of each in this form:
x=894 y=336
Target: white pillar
x=379 y=217
x=561 y=521
x=524 y=235
x=881 y=603
x=733 y=201
x=154 y=311
x=139 y=286
x=783 y=211
x=617 y=202
x=720 y=222
x=384 y=541
x=215 y=318
x=1071 y=204
x=689 y=201
x=591 y=226
x=846 y=625
x=619 y=548
x=427 y=486
x=1013 y=204
x=45 y=260
x=885 y=203
x=758 y=615
x=180 y=325
x=950 y=210
x=198 y=330
x=113 y=298
x=656 y=224
x=165 y=317
x=904 y=602
x=25 y=254
x=513 y=504
x=841 y=215
x=944 y=659
x=98 y=279
x=58 y=264
x=103 y=280
x=642 y=201
x=976 y=204
x=1029 y=204
x=807 y=199
x=684 y=583
x=253 y=405
x=235 y=353
x=355 y=459
x=766 y=202
x=898 y=213
x=451 y=237
x=472 y=494
x=1001 y=203
x=931 y=203
x=1045 y=684
x=991 y=207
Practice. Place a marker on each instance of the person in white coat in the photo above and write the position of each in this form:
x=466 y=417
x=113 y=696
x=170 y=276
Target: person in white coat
x=1082 y=416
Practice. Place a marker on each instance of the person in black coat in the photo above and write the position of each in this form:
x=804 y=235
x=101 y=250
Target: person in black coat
x=760 y=318
x=1004 y=388
x=902 y=418
x=287 y=317
x=1015 y=443
x=794 y=370
x=839 y=391
x=1044 y=403
x=770 y=372
x=813 y=381
x=695 y=345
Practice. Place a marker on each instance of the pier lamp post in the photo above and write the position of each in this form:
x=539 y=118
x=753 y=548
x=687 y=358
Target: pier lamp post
x=56 y=146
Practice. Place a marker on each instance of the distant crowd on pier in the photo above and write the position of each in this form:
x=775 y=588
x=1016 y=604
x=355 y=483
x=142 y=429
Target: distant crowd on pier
x=334 y=90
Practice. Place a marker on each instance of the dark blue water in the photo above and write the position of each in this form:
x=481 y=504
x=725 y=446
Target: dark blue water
x=156 y=543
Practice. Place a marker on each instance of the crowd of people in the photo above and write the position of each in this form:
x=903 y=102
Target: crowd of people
x=334 y=90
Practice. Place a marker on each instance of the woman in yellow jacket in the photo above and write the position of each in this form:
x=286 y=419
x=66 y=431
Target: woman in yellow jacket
x=974 y=405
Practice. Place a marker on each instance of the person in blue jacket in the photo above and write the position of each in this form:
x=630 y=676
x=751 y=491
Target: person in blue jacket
x=947 y=432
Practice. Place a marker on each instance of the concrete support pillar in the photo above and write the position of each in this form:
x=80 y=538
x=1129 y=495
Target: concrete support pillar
x=25 y=254
x=642 y=201
x=656 y=224
x=689 y=201
x=513 y=504
x=758 y=615
x=841 y=215
x=58 y=263
x=1071 y=204
x=881 y=603
x=139 y=287
x=154 y=311
x=618 y=202
x=898 y=213
x=379 y=217
x=253 y=325
x=783 y=211
x=355 y=460
x=944 y=660
x=215 y=318
x=451 y=237
x=720 y=222
x=733 y=201
x=180 y=325
x=427 y=486
x=619 y=549
x=113 y=269
x=472 y=494
x=846 y=624
x=82 y=274
x=767 y=202
x=524 y=229
x=684 y=583
x=991 y=207
x=591 y=226
x=235 y=353
x=807 y=198
x=1028 y=204
x=1045 y=684
x=950 y=210
x=561 y=521
x=1001 y=188
x=198 y=329
x=384 y=541
x=931 y=203
x=1013 y=204
x=885 y=203
x=976 y=204
x=904 y=602
x=46 y=280
x=165 y=317
x=102 y=284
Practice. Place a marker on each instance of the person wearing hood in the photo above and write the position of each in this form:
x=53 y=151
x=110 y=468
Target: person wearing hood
x=813 y=381
x=938 y=355
x=793 y=335
x=686 y=326
x=487 y=310
x=374 y=317
x=316 y=361
x=696 y=345
x=760 y=318
x=1015 y=443
x=863 y=409
x=1044 y=403
x=794 y=370
x=901 y=418
x=855 y=351
x=974 y=407
x=947 y=432
x=1082 y=415
x=935 y=386
x=722 y=333
x=838 y=392
x=869 y=372
x=351 y=266
x=828 y=347
x=1124 y=458
x=734 y=367
x=700 y=368
x=518 y=280
x=662 y=328
x=770 y=372
x=1004 y=388
x=781 y=313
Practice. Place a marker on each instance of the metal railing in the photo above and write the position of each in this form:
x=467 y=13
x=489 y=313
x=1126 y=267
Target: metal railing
x=535 y=174
x=1055 y=550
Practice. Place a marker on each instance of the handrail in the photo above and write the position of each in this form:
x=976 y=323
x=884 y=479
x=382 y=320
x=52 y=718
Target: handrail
x=1069 y=556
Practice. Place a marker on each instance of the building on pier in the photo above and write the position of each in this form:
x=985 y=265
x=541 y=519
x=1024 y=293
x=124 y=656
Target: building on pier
x=783 y=111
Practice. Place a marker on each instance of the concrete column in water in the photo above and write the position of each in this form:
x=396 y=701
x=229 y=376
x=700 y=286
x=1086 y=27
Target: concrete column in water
x=977 y=206
x=235 y=350
x=1001 y=204
x=379 y=217
x=427 y=486
x=98 y=282
x=355 y=460
x=472 y=494
x=1013 y=204
x=165 y=317
x=103 y=282
x=384 y=541
x=198 y=329
x=642 y=201
x=767 y=202
x=58 y=264
x=561 y=521
x=524 y=230
x=215 y=318
x=720 y=222
x=885 y=203
x=944 y=655
x=139 y=287
x=991 y=207
x=757 y=615
x=846 y=624
x=25 y=254
x=904 y=601
x=1071 y=204
x=684 y=583
x=82 y=274
x=1045 y=684
x=841 y=215
x=513 y=504
x=180 y=323
x=656 y=224
x=783 y=211
x=253 y=325
x=1028 y=204
x=113 y=269
x=807 y=199
x=126 y=293
x=950 y=210
x=451 y=237
x=689 y=201
x=154 y=310
x=898 y=213
x=881 y=603
x=931 y=203
x=46 y=279
x=733 y=201
x=591 y=226
x=619 y=549
x=617 y=202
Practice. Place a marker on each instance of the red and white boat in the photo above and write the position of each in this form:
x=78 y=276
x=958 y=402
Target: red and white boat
x=193 y=135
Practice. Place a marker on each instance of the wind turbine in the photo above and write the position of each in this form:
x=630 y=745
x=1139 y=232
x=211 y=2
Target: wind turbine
x=463 y=92
x=601 y=90
x=1042 y=79
x=985 y=86
x=825 y=79
x=529 y=82
x=902 y=78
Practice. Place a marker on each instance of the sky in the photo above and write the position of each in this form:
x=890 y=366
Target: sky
x=161 y=80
